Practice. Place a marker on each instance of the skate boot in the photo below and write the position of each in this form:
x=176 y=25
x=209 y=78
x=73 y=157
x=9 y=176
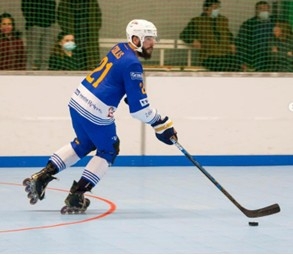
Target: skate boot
x=75 y=202
x=36 y=185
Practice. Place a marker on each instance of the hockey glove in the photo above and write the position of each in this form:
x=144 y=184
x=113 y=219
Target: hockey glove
x=164 y=130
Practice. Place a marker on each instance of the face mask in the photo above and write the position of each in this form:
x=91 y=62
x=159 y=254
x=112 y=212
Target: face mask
x=215 y=13
x=264 y=15
x=69 y=46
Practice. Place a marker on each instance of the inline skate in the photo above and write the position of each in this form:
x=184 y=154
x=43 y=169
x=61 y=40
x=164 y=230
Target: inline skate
x=76 y=203
x=36 y=185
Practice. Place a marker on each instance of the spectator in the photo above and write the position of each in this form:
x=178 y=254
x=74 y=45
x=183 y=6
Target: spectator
x=253 y=38
x=12 y=54
x=64 y=55
x=40 y=17
x=281 y=48
x=82 y=18
x=210 y=35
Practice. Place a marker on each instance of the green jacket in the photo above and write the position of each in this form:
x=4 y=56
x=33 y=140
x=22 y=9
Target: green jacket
x=213 y=34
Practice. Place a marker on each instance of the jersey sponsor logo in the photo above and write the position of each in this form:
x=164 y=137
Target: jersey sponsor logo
x=77 y=92
x=87 y=101
x=144 y=102
x=136 y=76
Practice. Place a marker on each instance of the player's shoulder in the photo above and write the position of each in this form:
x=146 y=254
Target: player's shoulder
x=122 y=50
x=128 y=56
x=128 y=51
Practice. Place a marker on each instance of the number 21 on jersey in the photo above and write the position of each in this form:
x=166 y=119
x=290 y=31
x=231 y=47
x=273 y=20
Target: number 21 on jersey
x=103 y=69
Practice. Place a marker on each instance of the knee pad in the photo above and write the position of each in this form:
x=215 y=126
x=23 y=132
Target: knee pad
x=110 y=156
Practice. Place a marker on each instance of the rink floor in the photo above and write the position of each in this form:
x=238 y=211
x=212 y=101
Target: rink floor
x=162 y=210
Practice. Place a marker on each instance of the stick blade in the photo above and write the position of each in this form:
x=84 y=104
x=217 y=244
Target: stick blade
x=269 y=210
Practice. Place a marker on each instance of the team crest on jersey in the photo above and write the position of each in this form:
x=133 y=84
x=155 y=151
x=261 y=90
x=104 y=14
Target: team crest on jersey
x=136 y=76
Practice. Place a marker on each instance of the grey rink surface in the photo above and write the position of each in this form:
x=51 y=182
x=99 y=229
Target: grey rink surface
x=147 y=210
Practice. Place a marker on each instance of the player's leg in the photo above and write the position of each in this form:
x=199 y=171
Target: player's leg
x=75 y=201
x=104 y=138
x=61 y=159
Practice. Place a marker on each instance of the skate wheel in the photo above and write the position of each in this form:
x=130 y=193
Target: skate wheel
x=30 y=195
x=27 y=189
x=63 y=210
x=26 y=182
x=71 y=210
x=87 y=202
x=33 y=201
x=66 y=210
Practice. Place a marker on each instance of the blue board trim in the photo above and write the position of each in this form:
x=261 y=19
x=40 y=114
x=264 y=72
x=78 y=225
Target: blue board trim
x=144 y=161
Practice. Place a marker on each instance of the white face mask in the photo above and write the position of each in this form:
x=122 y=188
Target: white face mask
x=215 y=13
x=264 y=15
x=69 y=46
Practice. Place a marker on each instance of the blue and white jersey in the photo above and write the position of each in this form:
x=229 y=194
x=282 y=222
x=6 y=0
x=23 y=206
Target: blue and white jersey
x=119 y=73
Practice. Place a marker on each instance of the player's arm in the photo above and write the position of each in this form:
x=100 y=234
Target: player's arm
x=140 y=108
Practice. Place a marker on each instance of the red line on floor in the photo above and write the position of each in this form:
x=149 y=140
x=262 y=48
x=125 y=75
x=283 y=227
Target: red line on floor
x=112 y=208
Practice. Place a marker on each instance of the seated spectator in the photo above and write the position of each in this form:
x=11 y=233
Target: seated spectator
x=210 y=35
x=84 y=20
x=253 y=38
x=64 y=55
x=12 y=54
x=281 y=48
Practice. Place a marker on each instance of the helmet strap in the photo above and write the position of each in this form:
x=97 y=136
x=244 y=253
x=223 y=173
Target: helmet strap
x=137 y=47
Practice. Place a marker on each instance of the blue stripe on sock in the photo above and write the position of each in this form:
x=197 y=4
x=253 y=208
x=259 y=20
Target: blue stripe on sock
x=94 y=179
x=58 y=162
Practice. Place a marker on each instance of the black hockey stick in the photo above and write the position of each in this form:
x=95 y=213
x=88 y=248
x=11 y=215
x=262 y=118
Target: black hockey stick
x=271 y=209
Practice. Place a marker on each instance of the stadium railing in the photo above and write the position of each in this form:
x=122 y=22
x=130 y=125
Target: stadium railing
x=185 y=51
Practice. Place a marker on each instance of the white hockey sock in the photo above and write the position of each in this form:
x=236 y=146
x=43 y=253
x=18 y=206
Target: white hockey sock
x=64 y=157
x=95 y=169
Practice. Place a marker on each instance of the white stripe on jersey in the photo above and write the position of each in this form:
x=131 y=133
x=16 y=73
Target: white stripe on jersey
x=147 y=115
x=90 y=107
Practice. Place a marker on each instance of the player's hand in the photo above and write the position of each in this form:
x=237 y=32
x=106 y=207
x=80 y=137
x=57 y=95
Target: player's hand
x=164 y=130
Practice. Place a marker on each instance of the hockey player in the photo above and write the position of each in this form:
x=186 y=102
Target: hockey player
x=92 y=106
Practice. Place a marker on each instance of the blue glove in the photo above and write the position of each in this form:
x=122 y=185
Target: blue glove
x=164 y=130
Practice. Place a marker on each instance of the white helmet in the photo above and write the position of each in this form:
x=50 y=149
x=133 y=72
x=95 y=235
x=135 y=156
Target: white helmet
x=140 y=28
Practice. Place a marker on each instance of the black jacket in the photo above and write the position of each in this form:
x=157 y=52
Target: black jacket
x=39 y=13
x=252 y=42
